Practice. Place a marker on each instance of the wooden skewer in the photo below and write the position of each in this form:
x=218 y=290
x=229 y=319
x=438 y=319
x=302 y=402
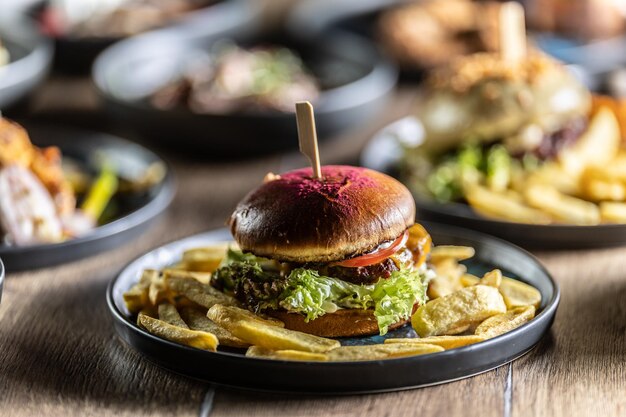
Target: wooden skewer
x=512 y=31
x=308 y=136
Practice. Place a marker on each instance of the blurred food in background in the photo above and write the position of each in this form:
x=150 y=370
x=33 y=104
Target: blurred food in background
x=233 y=79
x=39 y=191
x=431 y=33
x=580 y=19
x=113 y=18
x=521 y=142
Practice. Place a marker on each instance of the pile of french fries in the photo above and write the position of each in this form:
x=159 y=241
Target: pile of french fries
x=584 y=185
x=179 y=304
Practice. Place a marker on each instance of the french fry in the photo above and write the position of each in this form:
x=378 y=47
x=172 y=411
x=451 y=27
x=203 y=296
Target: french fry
x=193 y=338
x=553 y=174
x=157 y=293
x=286 y=355
x=197 y=320
x=202 y=294
x=446 y=342
x=380 y=351
x=448 y=278
x=598 y=189
x=259 y=333
x=447 y=315
x=467 y=280
x=499 y=206
x=596 y=146
x=221 y=312
x=613 y=212
x=560 y=206
x=518 y=294
x=203 y=277
x=205 y=259
x=492 y=278
x=503 y=323
x=460 y=253
x=169 y=314
x=136 y=298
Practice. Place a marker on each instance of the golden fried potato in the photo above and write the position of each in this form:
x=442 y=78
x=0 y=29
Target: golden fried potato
x=257 y=331
x=197 y=320
x=193 y=338
x=459 y=310
x=518 y=294
x=285 y=355
x=613 y=212
x=136 y=298
x=500 y=206
x=467 y=280
x=219 y=313
x=503 y=323
x=206 y=259
x=448 y=278
x=446 y=342
x=460 y=253
x=492 y=278
x=377 y=352
x=596 y=146
x=169 y=314
x=595 y=188
x=560 y=206
x=157 y=292
x=202 y=294
x=552 y=174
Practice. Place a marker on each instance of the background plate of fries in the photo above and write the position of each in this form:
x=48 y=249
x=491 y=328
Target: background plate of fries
x=595 y=218
x=133 y=209
x=176 y=320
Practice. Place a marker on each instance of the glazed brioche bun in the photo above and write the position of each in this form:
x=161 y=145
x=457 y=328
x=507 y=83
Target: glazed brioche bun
x=296 y=218
x=342 y=323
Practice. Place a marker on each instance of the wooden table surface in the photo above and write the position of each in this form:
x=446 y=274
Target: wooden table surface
x=59 y=354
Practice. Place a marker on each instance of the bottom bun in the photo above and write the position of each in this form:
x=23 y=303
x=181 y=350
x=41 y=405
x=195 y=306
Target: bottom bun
x=342 y=323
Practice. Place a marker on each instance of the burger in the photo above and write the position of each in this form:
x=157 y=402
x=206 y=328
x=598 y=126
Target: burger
x=491 y=124
x=336 y=257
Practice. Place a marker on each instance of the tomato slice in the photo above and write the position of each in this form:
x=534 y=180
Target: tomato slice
x=377 y=256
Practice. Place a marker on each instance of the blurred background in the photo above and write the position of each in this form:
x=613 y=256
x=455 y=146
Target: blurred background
x=214 y=82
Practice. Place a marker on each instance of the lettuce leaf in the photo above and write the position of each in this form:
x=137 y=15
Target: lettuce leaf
x=307 y=292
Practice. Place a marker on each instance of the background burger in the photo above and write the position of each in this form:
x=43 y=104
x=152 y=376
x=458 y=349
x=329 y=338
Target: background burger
x=334 y=257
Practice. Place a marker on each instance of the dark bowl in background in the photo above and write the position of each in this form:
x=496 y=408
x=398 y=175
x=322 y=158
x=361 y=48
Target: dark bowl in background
x=355 y=80
x=136 y=213
x=30 y=59
x=75 y=55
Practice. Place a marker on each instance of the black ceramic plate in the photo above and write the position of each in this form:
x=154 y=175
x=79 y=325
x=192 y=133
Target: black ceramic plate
x=75 y=55
x=234 y=369
x=355 y=82
x=383 y=153
x=136 y=211
x=30 y=58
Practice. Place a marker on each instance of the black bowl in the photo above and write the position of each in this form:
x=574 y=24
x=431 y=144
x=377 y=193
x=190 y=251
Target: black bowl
x=234 y=369
x=75 y=55
x=383 y=153
x=355 y=84
x=30 y=59
x=137 y=212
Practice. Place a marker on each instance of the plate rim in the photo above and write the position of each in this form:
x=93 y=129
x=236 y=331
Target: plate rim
x=546 y=313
